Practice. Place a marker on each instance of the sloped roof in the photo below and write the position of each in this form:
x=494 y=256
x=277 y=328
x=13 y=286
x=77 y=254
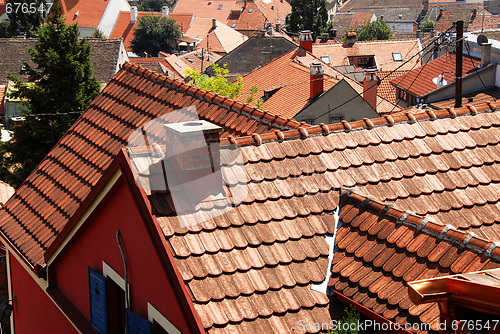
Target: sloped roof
x=487 y=95
x=419 y=80
x=155 y=64
x=274 y=10
x=454 y=12
x=3 y=7
x=205 y=8
x=6 y=192
x=247 y=19
x=382 y=50
x=290 y=73
x=381 y=249
x=90 y=12
x=125 y=29
x=360 y=18
x=386 y=90
x=432 y=163
x=47 y=199
x=484 y=20
x=222 y=39
x=14 y=52
x=193 y=59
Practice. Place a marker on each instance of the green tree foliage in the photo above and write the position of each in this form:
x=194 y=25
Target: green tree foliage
x=5 y=31
x=308 y=15
x=153 y=34
x=217 y=83
x=251 y=98
x=26 y=16
x=153 y=5
x=351 y=318
x=64 y=86
x=97 y=33
x=428 y=25
x=376 y=30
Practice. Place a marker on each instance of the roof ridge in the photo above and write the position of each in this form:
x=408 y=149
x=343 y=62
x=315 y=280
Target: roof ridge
x=222 y=101
x=426 y=225
x=365 y=123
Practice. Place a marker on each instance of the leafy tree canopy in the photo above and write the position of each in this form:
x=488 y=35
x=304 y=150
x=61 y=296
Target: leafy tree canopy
x=153 y=5
x=308 y=15
x=376 y=30
x=26 y=16
x=153 y=34
x=217 y=83
x=64 y=86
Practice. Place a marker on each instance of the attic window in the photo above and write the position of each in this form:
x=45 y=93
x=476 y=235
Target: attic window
x=326 y=59
x=234 y=25
x=250 y=10
x=397 y=56
x=189 y=59
x=219 y=8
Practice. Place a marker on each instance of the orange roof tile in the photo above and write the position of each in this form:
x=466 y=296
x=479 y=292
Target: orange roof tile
x=360 y=18
x=222 y=39
x=125 y=29
x=246 y=20
x=205 y=8
x=291 y=73
x=193 y=59
x=76 y=163
x=274 y=10
x=386 y=90
x=90 y=12
x=419 y=80
x=6 y=192
x=489 y=95
x=3 y=7
x=382 y=50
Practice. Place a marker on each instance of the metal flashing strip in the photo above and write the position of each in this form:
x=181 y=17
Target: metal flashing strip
x=330 y=239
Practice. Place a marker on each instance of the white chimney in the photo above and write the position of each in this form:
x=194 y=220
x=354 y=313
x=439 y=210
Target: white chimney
x=486 y=54
x=165 y=12
x=133 y=14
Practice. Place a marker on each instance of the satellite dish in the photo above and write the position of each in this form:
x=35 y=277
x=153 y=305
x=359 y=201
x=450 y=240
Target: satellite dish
x=440 y=81
x=481 y=39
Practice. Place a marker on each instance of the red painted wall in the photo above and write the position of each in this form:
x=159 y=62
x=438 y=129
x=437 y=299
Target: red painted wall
x=96 y=242
x=34 y=311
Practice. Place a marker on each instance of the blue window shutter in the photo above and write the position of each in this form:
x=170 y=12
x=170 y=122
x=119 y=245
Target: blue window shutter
x=98 y=313
x=137 y=324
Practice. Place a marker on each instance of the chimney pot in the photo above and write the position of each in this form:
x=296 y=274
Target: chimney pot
x=133 y=14
x=306 y=40
x=370 y=83
x=486 y=54
x=165 y=11
x=316 y=77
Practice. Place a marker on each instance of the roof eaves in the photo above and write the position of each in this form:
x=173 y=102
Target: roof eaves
x=365 y=123
x=425 y=225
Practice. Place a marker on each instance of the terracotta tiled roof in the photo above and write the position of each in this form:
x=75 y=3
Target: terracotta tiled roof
x=246 y=20
x=3 y=7
x=6 y=192
x=3 y=88
x=360 y=18
x=193 y=59
x=382 y=50
x=291 y=73
x=222 y=39
x=419 y=81
x=274 y=10
x=14 y=52
x=381 y=249
x=484 y=20
x=125 y=29
x=34 y=216
x=489 y=95
x=386 y=90
x=455 y=12
x=155 y=64
x=431 y=163
x=205 y=9
x=90 y=12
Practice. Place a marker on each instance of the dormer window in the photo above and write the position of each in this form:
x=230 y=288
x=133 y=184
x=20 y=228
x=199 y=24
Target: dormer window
x=219 y=8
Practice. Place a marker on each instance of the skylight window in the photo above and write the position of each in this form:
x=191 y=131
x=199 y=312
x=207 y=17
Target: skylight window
x=234 y=25
x=250 y=10
x=397 y=56
x=219 y=8
x=326 y=59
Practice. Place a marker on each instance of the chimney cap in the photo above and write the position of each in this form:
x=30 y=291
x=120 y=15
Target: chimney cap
x=305 y=36
x=193 y=127
x=316 y=68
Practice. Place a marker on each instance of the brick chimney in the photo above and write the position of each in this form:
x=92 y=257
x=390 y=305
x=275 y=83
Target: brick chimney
x=165 y=11
x=306 y=40
x=194 y=145
x=370 y=83
x=316 y=77
x=485 y=54
x=133 y=14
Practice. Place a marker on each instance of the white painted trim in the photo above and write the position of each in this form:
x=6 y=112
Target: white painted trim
x=9 y=287
x=111 y=182
x=155 y=315
x=107 y=271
